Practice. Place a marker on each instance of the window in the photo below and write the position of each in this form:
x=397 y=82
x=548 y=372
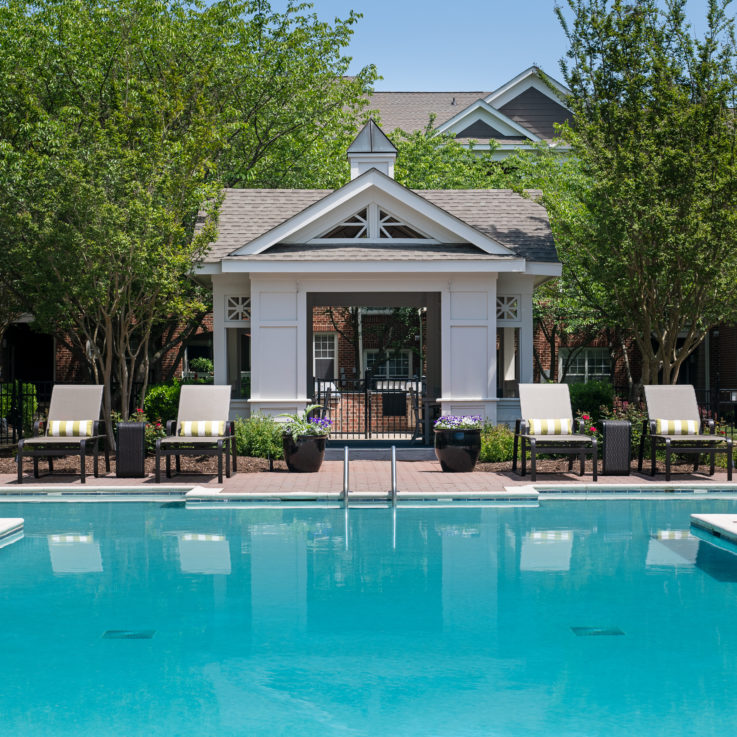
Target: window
x=399 y=366
x=324 y=355
x=375 y=223
x=588 y=364
x=354 y=227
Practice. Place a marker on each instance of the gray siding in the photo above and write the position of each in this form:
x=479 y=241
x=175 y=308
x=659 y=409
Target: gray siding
x=536 y=112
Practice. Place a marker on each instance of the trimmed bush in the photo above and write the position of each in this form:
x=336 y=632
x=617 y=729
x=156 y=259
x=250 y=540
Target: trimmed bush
x=258 y=436
x=162 y=401
x=497 y=444
x=201 y=365
x=592 y=398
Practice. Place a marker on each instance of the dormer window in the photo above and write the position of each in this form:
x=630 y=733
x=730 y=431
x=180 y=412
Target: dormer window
x=373 y=223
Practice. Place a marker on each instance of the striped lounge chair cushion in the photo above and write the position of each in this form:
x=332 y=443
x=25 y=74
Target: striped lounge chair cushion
x=676 y=427
x=71 y=428
x=202 y=429
x=559 y=426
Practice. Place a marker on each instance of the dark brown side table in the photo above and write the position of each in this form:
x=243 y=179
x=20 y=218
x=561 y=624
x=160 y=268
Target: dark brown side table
x=130 y=455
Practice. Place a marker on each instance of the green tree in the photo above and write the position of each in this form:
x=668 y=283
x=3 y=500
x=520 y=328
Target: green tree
x=429 y=160
x=117 y=121
x=654 y=237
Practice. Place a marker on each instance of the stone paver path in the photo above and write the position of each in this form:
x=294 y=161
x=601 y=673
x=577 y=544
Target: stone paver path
x=365 y=476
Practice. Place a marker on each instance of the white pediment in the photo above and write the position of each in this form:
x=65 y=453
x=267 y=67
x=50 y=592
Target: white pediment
x=378 y=192
x=482 y=112
x=530 y=78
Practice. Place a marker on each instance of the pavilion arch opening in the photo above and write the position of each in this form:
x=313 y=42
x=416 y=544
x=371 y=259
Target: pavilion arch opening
x=374 y=363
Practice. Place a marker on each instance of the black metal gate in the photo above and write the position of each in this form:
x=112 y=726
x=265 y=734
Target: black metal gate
x=372 y=408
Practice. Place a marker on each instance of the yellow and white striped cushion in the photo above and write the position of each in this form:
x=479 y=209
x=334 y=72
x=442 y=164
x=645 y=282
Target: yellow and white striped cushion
x=202 y=429
x=559 y=426
x=676 y=427
x=71 y=428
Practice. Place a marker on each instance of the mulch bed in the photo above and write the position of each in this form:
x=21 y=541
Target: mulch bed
x=189 y=464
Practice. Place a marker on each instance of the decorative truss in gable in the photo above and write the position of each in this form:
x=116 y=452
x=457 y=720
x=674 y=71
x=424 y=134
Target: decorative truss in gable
x=237 y=308
x=355 y=226
x=373 y=223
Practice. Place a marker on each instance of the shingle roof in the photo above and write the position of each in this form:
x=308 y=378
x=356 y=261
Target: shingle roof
x=411 y=111
x=518 y=222
x=514 y=221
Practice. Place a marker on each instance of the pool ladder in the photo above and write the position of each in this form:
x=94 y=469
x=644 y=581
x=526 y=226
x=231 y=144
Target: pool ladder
x=346 y=477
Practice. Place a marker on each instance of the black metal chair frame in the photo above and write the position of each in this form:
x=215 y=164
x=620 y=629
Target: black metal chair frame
x=574 y=447
x=225 y=444
x=57 y=449
x=674 y=446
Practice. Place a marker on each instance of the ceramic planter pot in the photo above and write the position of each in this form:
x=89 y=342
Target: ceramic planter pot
x=304 y=454
x=457 y=450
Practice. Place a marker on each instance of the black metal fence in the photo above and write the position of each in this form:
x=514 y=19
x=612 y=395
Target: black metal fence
x=375 y=408
x=21 y=404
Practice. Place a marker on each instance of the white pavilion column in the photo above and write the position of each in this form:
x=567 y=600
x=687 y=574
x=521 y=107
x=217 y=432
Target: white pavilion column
x=278 y=345
x=468 y=319
x=526 y=334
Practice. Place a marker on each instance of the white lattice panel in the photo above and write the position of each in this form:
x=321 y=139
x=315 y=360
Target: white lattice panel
x=237 y=308
x=507 y=308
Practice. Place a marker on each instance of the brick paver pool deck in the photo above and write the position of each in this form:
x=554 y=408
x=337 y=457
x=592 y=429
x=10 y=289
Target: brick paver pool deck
x=366 y=476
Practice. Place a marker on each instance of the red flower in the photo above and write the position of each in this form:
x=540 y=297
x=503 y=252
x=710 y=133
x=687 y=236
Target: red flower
x=592 y=428
x=585 y=417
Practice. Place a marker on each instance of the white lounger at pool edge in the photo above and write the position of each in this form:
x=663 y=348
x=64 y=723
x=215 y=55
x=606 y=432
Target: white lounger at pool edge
x=11 y=530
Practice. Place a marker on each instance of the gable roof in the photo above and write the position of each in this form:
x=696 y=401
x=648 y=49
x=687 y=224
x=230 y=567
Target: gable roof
x=525 y=100
x=518 y=223
x=481 y=111
x=378 y=187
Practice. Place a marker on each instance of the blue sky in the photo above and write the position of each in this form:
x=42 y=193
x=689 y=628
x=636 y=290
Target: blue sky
x=457 y=44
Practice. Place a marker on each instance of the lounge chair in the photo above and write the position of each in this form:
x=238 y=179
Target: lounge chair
x=675 y=423
x=73 y=426
x=201 y=428
x=547 y=425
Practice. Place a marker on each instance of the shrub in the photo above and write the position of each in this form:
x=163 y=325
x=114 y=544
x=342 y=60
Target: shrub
x=202 y=365
x=258 y=436
x=632 y=411
x=592 y=398
x=162 y=401
x=497 y=444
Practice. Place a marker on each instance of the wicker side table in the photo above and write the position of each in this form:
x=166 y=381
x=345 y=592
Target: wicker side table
x=130 y=455
x=617 y=447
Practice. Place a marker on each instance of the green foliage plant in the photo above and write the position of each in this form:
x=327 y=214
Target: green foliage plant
x=304 y=423
x=201 y=365
x=162 y=401
x=497 y=444
x=259 y=436
x=592 y=398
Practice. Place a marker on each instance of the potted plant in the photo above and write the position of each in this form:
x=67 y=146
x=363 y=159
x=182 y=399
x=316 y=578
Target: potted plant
x=303 y=439
x=458 y=442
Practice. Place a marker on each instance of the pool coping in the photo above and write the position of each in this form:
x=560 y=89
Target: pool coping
x=194 y=494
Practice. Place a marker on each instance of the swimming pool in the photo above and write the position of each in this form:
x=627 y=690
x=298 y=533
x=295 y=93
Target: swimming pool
x=572 y=618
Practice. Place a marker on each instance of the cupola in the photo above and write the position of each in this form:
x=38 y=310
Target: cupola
x=371 y=149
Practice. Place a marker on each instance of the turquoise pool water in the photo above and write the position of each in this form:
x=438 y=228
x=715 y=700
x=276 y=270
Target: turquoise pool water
x=574 y=618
